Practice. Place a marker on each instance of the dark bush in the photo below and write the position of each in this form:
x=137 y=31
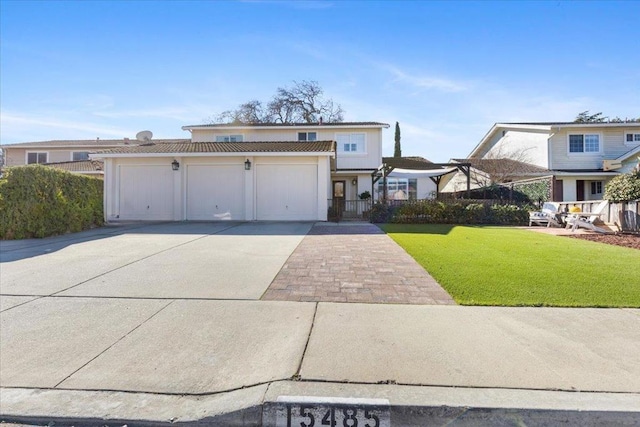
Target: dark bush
x=449 y=212
x=39 y=201
x=380 y=213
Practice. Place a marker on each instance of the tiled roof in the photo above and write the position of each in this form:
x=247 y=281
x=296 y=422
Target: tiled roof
x=79 y=166
x=226 y=147
x=344 y=124
x=93 y=143
x=507 y=164
x=410 y=162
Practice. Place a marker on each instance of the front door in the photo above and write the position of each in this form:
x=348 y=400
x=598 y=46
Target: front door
x=580 y=190
x=558 y=195
x=339 y=196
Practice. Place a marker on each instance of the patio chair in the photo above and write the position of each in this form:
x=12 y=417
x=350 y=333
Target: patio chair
x=587 y=219
x=629 y=222
x=547 y=216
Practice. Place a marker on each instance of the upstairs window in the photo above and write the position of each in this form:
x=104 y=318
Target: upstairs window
x=80 y=155
x=307 y=136
x=33 y=158
x=584 y=143
x=631 y=138
x=229 y=138
x=351 y=143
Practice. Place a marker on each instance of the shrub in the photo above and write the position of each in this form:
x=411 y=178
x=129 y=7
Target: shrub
x=380 y=213
x=623 y=188
x=39 y=201
x=450 y=212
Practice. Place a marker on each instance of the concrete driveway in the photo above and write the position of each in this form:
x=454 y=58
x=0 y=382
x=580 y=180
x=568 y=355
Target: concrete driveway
x=165 y=323
x=172 y=260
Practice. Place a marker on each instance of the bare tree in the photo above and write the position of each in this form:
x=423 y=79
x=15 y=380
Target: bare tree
x=303 y=102
x=501 y=165
x=249 y=112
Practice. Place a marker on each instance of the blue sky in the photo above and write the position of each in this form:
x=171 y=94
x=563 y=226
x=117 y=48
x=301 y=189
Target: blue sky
x=446 y=71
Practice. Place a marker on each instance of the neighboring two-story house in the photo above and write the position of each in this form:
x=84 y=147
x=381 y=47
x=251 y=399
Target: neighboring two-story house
x=70 y=155
x=242 y=172
x=580 y=157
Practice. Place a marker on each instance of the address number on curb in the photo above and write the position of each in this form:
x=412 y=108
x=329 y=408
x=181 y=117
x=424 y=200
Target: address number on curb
x=333 y=413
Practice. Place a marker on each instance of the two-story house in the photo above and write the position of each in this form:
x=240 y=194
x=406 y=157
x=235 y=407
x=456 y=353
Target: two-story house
x=70 y=155
x=264 y=171
x=580 y=157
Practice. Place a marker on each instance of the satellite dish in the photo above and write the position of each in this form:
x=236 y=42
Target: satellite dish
x=144 y=136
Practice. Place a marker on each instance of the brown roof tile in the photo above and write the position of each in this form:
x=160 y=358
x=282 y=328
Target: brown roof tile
x=93 y=143
x=78 y=166
x=507 y=164
x=409 y=162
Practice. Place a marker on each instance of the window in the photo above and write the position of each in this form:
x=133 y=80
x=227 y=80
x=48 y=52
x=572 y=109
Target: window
x=399 y=188
x=80 y=155
x=596 y=187
x=307 y=136
x=36 y=158
x=351 y=143
x=229 y=138
x=587 y=143
x=631 y=138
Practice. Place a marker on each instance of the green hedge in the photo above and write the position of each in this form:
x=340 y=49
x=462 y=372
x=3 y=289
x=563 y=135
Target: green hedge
x=449 y=212
x=40 y=201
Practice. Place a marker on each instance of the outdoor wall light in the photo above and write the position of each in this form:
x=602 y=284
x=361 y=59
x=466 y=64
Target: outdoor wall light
x=354 y=182
x=247 y=165
x=175 y=165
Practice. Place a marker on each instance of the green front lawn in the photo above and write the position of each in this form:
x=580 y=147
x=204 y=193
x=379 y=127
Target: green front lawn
x=515 y=267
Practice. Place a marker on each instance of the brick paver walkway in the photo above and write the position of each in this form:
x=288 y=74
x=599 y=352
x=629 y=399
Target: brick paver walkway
x=353 y=263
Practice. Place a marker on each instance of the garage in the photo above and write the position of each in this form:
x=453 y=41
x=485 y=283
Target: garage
x=287 y=192
x=215 y=192
x=145 y=192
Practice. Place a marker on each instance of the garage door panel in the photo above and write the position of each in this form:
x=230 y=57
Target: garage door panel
x=287 y=192
x=215 y=192
x=146 y=192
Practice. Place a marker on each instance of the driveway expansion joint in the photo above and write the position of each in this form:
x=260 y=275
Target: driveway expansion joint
x=113 y=344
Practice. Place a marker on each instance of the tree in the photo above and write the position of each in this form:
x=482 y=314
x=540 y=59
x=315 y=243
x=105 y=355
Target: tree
x=397 y=151
x=301 y=103
x=500 y=165
x=587 y=117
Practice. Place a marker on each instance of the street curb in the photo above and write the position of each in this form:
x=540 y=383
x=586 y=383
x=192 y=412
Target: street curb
x=255 y=406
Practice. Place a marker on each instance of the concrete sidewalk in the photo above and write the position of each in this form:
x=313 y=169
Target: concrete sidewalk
x=114 y=338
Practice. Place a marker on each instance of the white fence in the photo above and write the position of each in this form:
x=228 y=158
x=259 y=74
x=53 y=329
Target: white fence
x=616 y=213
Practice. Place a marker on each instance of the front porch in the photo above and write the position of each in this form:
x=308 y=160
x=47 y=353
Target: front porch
x=349 y=210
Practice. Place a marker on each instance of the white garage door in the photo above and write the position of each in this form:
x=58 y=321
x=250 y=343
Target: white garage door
x=215 y=192
x=146 y=192
x=287 y=192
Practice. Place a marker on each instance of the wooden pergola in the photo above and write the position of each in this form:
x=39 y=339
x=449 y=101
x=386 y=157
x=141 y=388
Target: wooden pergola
x=384 y=170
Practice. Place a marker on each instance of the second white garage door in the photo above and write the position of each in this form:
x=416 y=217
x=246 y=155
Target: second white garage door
x=215 y=192
x=287 y=192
